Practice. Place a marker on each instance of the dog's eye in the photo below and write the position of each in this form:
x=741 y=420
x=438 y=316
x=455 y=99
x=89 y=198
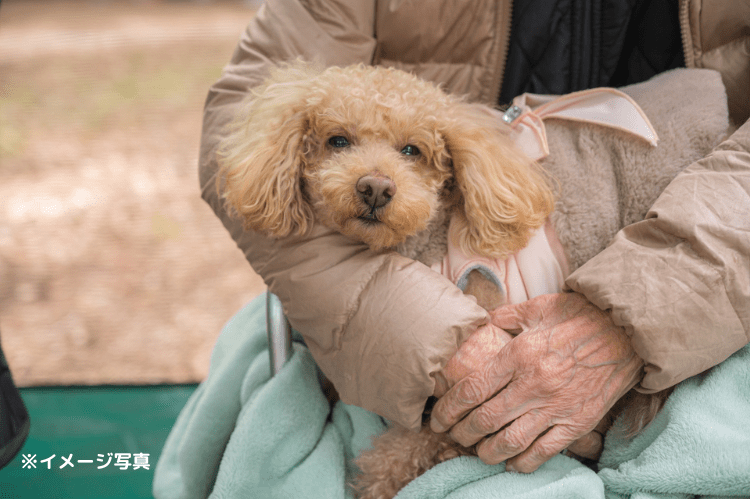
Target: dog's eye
x=410 y=150
x=338 y=141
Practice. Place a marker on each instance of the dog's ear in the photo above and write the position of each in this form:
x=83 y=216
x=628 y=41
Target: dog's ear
x=262 y=158
x=505 y=194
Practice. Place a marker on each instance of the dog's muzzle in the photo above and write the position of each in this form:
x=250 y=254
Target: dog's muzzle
x=375 y=191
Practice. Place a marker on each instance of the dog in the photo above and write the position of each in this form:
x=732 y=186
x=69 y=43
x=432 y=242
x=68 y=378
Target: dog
x=390 y=160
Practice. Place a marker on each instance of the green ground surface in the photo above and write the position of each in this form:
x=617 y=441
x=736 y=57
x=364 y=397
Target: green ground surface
x=90 y=423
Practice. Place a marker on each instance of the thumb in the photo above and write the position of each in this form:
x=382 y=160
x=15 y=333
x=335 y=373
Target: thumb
x=512 y=318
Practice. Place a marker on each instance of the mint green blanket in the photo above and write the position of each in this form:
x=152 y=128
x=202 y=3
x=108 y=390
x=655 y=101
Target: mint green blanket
x=245 y=434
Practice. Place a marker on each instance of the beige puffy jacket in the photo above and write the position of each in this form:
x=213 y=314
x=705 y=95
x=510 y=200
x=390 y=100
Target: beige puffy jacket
x=380 y=325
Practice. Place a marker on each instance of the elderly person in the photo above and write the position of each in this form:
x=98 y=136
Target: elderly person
x=580 y=351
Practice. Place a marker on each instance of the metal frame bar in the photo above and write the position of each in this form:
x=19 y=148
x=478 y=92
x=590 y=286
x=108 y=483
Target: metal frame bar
x=279 y=333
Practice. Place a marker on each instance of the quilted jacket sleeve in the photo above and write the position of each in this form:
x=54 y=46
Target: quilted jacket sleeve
x=378 y=325
x=679 y=281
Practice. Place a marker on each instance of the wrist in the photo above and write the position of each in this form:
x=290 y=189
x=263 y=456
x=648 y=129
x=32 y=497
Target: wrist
x=631 y=367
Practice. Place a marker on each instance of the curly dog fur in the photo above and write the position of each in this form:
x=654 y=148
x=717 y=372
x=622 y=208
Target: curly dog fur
x=387 y=159
x=281 y=173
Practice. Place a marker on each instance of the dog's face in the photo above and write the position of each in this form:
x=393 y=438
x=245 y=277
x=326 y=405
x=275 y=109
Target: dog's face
x=376 y=154
x=375 y=167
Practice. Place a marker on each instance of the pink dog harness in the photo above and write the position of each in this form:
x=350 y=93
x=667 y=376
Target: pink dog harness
x=541 y=267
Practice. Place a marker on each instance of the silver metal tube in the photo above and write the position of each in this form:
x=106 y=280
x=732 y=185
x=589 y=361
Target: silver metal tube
x=279 y=333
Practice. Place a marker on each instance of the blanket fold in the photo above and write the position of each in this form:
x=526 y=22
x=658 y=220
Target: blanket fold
x=244 y=434
x=699 y=444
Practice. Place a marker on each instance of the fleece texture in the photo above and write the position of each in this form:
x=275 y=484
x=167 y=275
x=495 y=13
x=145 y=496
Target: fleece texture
x=698 y=445
x=607 y=179
x=245 y=434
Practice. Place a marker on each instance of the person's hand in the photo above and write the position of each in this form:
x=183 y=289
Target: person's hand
x=591 y=445
x=481 y=345
x=546 y=388
x=486 y=343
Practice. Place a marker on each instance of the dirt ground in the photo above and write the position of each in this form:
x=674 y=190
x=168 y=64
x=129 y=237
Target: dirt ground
x=112 y=268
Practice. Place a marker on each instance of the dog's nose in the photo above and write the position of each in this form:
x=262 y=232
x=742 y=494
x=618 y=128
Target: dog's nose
x=376 y=190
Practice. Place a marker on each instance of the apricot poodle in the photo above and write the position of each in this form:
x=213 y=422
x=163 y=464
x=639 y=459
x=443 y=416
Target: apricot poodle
x=387 y=159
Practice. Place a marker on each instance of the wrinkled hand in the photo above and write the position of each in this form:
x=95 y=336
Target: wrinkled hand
x=481 y=345
x=546 y=388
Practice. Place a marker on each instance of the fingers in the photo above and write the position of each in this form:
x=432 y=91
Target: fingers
x=571 y=364
x=475 y=353
x=513 y=439
x=467 y=394
x=525 y=315
x=493 y=416
x=589 y=446
x=592 y=444
x=542 y=311
x=510 y=318
x=441 y=385
x=547 y=446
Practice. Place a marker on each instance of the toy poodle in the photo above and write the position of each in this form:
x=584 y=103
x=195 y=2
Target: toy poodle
x=387 y=159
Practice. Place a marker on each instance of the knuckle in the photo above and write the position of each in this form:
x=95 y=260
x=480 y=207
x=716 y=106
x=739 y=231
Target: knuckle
x=462 y=438
x=483 y=420
x=539 y=453
x=546 y=450
x=469 y=392
x=512 y=440
x=438 y=423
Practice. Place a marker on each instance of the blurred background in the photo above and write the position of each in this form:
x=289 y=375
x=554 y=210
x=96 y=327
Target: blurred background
x=115 y=277
x=112 y=268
